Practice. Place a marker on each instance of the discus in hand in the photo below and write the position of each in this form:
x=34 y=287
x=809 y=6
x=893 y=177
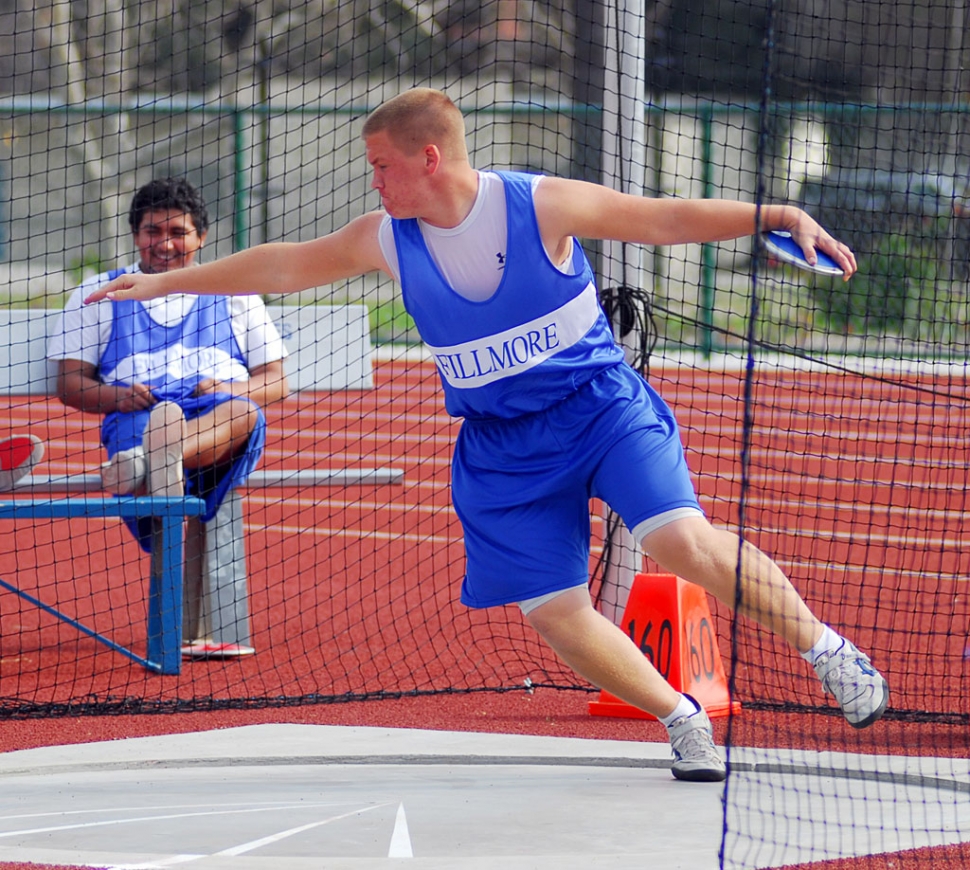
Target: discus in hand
x=782 y=247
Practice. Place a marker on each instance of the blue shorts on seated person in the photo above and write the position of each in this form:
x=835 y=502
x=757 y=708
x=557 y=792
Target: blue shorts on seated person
x=522 y=486
x=124 y=431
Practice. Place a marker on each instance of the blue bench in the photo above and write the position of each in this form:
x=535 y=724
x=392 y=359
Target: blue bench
x=164 y=652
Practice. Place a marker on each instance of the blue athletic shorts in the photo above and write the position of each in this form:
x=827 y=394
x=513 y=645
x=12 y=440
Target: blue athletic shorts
x=124 y=431
x=521 y=487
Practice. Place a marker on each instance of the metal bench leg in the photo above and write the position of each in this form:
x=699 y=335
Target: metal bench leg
x=165 y=595
x=224 y=574
x=195 y=624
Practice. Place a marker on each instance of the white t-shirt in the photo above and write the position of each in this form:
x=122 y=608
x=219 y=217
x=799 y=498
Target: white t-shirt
x=83 y=330
x=470 y=256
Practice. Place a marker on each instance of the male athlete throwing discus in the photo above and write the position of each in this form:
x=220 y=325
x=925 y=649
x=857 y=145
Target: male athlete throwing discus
x=503 y=294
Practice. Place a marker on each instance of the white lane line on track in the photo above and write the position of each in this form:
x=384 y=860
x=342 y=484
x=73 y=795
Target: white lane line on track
x=811 y=505
x=356 y=534
x=368 y=506
x=803 y=505
x=822 y=568
x=788 y=457
x=248 y=805
x=242 y=848
x=788 y=480
x=869 y=538
x=154 y=818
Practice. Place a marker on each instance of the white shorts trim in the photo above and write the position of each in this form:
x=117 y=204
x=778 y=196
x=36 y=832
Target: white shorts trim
x=530 y=604
x=651 y=524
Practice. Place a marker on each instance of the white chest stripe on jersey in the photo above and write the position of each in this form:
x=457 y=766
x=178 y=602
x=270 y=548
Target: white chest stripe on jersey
x=178 y=362
x=484 y=360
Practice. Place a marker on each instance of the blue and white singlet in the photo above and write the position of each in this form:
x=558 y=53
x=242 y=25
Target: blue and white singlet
x=536 y=340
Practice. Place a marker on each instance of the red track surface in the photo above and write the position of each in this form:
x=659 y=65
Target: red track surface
x=856 y=486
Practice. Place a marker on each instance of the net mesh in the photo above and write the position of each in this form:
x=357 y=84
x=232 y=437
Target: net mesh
x=822 y=420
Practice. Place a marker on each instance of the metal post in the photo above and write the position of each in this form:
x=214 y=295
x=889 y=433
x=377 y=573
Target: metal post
x=708 y=250
x=624 y=168
x=240 y=237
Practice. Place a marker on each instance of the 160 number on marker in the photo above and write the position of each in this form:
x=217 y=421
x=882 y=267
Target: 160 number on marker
x=701 y=653
x=659 y=649
x=660 y=658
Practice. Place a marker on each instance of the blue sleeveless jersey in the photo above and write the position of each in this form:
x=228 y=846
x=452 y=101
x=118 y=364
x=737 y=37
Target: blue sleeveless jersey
x=172 y=359
x=540 y=337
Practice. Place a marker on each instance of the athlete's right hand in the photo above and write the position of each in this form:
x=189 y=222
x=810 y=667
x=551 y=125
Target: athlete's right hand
x=129 y=286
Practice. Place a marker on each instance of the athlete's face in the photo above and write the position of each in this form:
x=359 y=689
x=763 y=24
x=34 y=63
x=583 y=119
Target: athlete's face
x=167 y=239
x=397 y=176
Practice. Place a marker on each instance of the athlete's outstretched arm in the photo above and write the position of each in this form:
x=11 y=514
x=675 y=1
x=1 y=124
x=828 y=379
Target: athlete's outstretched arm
x=566 y=208
x=278 y=267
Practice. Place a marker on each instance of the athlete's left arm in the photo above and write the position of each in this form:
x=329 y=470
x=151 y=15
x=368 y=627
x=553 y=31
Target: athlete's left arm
x=565 y=207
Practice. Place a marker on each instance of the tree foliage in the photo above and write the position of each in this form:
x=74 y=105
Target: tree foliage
x=194 y=46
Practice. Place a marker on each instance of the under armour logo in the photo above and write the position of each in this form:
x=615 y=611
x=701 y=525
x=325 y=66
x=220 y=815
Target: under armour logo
x=501 y=260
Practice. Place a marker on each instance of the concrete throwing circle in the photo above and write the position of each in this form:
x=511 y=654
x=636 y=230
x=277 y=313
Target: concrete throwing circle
x=295 y=797
x=361 y=815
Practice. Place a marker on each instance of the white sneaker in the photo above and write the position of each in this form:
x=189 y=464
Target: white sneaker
x=162 y=442
x=695 y=757
x=858 y=688
x=124 y=472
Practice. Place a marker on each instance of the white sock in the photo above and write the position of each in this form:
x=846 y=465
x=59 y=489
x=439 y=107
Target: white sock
x=828 y=642
x=685 y=707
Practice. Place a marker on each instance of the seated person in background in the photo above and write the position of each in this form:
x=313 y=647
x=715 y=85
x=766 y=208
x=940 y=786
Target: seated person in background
x=18 y=455
x=181 y=383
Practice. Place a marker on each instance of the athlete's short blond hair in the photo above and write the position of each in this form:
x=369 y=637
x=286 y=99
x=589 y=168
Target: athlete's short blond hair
x=419 y=117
